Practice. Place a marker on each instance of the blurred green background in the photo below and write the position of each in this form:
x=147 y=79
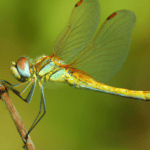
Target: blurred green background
x=76 y=119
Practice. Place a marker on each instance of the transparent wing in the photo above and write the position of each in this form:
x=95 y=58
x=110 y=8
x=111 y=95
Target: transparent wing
x=82 y=25
x=104 y=57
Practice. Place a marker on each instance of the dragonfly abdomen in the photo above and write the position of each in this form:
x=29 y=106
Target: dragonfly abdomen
x=142 y=95
x=81 y=80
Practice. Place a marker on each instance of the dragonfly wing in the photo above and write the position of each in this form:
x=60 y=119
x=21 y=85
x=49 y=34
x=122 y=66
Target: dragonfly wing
x=104 y=57
x=82 y=25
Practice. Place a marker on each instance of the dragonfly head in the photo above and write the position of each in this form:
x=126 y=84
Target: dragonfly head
x=21 y=69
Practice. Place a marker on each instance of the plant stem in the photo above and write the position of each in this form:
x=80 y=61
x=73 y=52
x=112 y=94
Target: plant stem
x=16 y=118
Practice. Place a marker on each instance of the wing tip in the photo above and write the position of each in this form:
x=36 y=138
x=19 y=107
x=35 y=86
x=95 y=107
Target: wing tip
x=79 y=3
x=112 y=15
x=128 y=13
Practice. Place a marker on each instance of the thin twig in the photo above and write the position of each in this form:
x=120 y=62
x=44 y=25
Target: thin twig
x=16 y=118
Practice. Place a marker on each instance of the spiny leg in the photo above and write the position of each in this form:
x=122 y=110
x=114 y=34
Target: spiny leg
x=11 y=87
x=17 y=85
x=28 y=98
x=25 y=88
x=41 y=103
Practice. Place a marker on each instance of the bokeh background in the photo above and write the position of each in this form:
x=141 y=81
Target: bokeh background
x=76 y=119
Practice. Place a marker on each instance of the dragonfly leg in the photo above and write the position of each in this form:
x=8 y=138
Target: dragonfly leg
x=29 y=96
x=42 y=103
x=28 y=99
x=17 y=85
x=11 y=87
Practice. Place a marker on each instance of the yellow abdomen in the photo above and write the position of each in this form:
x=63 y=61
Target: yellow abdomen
x=81 y=80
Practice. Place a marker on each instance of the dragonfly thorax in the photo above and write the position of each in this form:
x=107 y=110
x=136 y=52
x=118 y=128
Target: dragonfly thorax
x=50 y=68
x=44 y=65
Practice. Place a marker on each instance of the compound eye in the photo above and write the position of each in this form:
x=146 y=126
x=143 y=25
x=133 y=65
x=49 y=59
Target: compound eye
x=23 y=67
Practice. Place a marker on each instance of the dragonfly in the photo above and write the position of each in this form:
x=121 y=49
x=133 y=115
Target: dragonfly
x=80 y=59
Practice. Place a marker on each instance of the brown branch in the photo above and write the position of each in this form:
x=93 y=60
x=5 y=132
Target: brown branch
x=16 y=118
